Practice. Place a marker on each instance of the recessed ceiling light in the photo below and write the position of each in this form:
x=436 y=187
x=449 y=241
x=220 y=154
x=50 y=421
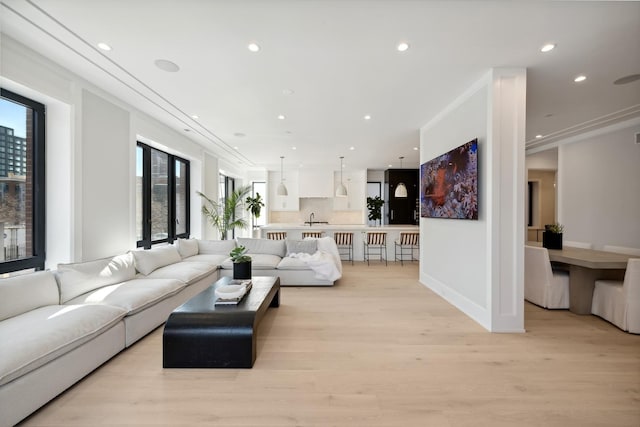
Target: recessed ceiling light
x=293 y=148
x=287 y=92
x=548 y=115
x=195 y=117
x=281 y=117
x=236 y=147
x=538 y=136
x=253 y=47
x=548 y=47
x=288 y=132
x=352 y=148
x=187 y=130
x=166 y=65
x=104 y=46
x=367 y=117
x=415 y=148
x=239 y=134
x=402 y=47
x=580 y=78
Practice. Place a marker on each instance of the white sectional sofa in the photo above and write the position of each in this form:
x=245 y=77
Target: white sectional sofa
x=57 y=327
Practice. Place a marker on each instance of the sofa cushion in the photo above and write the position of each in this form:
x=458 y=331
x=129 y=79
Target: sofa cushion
x=264 y=246
x=26 y=292
x=289 y=263
x=309 y=246
x=212 y=259
x=82 y=277
x=187 y=247
x=149 y=260
x=186 y=272
x=133 y=295
x=258 y=262
x=32 y=339
x=216 y=247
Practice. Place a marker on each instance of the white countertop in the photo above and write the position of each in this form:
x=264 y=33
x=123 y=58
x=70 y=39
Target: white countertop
x=363 y=227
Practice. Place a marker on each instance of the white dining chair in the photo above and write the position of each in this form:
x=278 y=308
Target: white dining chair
x=622 y=250
x=542 y=285
x=619 y=301
x=574 y=244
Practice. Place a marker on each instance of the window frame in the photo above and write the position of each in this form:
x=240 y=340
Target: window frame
x=146 y=241
x=38 y=258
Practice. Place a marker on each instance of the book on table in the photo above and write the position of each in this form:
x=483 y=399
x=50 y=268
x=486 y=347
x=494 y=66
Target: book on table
x=232 y=301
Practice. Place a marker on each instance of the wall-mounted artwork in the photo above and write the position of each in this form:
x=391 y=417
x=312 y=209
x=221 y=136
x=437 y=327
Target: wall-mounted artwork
x=449 y=184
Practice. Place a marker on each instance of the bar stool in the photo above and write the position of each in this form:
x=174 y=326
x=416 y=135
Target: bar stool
x=407 y=243
x=276 y=235
x=344 y=242
x=314 y=234
x=375 y=243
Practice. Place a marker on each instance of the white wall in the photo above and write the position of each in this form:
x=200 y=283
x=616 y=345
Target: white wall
x=91 y=139
x=544 y=160
x=478 y=265
x=599 y=188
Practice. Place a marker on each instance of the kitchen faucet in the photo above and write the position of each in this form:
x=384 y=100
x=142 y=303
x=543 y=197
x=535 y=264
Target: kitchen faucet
x=311 y=219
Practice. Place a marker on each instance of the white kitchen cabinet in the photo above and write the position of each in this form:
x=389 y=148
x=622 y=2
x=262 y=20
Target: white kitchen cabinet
x=290 y=202
x=356 y=183
x=315 y=183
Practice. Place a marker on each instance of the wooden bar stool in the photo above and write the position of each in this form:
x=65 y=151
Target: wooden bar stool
x=375 y=243
x=276 y=235
x=344 y=242
x=314 y=234
x=405 y=245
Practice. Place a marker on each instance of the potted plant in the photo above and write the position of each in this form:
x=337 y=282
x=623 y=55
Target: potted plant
x=226 y=215
x=254 y=205
x=552 y=236
x=241 y=263
x=374 y=204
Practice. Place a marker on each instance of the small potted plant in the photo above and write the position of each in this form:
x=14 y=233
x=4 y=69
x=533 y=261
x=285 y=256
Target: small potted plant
x=241 y=263
x=552 y=236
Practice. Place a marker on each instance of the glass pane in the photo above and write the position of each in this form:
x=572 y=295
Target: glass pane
x=139 y=196
x=181 y=197
x=16 y=180
x=159 y=195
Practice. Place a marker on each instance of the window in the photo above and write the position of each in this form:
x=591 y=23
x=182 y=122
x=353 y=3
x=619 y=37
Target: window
x=22 y=207
x=162 y=196
x=259 y=188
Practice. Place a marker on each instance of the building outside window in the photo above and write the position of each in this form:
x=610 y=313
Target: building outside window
x=22 y=183
x=162 y=196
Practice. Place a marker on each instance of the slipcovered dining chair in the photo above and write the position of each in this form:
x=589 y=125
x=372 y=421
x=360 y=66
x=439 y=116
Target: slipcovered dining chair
x=619 y=301
x=542 y=285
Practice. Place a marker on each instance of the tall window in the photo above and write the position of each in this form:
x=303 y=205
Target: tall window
x=22 y=183
x=261 y=189
x=162 y=196
x=226 y=186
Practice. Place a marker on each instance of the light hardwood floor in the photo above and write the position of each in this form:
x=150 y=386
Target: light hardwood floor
x=378 y=349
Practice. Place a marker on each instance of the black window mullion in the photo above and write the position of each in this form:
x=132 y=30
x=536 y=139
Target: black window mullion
x=171 y=183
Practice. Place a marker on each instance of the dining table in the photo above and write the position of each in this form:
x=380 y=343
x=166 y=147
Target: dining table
x=585 y=266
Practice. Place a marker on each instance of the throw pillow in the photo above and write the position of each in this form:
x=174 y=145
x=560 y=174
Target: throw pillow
x=302 y=246
x=187 y=247
x=149 y=260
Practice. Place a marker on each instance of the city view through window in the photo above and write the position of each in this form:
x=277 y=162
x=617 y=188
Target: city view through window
x=16 y=177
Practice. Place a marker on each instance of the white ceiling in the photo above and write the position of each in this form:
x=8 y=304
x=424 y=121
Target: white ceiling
x=340 y=60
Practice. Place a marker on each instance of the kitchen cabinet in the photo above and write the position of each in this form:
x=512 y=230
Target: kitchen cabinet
x=356 y=182
x=402 y=210
x=315 y=183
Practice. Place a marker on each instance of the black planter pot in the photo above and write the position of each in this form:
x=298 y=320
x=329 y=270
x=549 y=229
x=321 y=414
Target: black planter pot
x=551 y=240
x=242 y=270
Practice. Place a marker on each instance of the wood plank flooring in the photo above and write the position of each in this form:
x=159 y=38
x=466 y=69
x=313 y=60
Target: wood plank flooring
x=377 y=349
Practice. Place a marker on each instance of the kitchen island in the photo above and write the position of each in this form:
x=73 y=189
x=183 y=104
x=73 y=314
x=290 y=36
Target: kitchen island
x=294 y=231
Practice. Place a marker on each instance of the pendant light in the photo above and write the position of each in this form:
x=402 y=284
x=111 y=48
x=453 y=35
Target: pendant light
x=401 y=189
x=341 y=191
x=282 y=189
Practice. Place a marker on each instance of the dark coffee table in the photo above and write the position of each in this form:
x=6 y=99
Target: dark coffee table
x=200 y=334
